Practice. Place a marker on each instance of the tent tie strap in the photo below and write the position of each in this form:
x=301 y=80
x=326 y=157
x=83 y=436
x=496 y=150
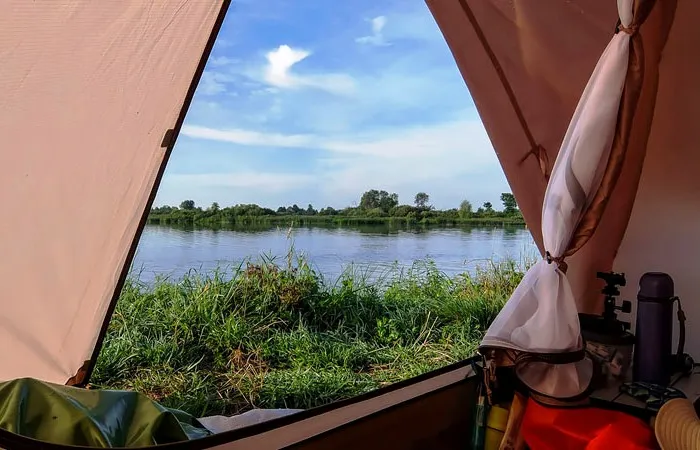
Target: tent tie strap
x=551 y=358
x=505 y=357
x=538 y=151
x=556 y=259
x=631 y=30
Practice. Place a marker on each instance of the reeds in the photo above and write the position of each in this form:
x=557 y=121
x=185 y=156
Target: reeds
x=276 y=335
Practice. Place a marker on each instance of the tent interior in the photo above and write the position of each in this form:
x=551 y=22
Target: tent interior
x=590 y=106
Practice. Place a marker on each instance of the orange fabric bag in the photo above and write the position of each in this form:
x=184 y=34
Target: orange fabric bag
x=584 y=428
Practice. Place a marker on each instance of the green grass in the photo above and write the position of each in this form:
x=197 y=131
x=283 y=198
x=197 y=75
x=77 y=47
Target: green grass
x=276 y=335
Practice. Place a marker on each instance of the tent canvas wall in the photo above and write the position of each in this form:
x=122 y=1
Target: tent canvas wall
x=93 y=95
x=526 y=64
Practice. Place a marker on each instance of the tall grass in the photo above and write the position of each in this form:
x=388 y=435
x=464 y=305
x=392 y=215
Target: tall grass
x=276 y=335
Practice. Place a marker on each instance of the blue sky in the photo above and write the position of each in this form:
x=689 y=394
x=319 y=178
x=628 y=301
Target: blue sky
x=312 y=101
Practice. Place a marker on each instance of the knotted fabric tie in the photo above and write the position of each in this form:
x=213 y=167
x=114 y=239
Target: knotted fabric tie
x=556 y=259
x=632 y=30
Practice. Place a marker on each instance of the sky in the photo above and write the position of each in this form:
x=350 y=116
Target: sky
x=315 y=102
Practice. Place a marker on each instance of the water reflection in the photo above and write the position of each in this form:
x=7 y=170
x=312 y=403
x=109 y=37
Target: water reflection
x=174 y=251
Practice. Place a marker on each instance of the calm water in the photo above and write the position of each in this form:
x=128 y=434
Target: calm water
x=174 y=251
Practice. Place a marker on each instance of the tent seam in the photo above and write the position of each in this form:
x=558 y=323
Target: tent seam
x=535 y=148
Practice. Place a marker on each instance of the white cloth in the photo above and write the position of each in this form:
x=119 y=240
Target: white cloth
x=219 y=424
x=541 y=315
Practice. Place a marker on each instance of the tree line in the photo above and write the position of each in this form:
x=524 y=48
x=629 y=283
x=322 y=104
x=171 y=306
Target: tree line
x=373 y=204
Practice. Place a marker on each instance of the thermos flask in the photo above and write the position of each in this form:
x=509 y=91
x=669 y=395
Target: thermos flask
x=653 y=353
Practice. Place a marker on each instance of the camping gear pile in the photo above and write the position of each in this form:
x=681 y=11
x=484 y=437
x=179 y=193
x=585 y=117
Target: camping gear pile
x=591 y=107
x=543 y=425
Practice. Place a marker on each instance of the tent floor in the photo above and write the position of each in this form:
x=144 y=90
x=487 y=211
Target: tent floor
x=440 y=419
x=434 y=410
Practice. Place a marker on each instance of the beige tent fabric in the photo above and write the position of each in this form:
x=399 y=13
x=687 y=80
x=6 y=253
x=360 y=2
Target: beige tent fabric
x=88 y=90
x=600 y=252
x=548 y=49
x=554 y=34
x=663 y=231
x=532 y=41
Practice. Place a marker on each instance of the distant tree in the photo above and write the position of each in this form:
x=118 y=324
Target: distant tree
x=388 y=201
x=162 y=209
x=488 y=208
x=370 y=199
x=373 y=199
x=187 y=205
x=465 y=209
x=282 y=210
x=376 y=212
x=402 y=210
x=327 y=211
x=295 y=209
x=214 y=207
x=510 y=206
x=350 y=211
x=310 y=210
x=422 y=200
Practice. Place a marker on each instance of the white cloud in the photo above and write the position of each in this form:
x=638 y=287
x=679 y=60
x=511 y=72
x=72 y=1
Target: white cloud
x=278 y=73
x=222 y=43
x=215 y=82
x=279 y=62
x=377 y=36
x=260 y=181
x=247 y=137
x=210 y=84
x=423 y=141
x=223 y=61
x=418 y=158
x=440 y=156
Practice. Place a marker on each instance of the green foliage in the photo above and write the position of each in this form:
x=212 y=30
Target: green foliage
x=376 y=208
x=421 y=200
x=510 y=206
x=276 y=335
x=465 y=209
x=374 y=199
x=328 y=211
x=187 y=205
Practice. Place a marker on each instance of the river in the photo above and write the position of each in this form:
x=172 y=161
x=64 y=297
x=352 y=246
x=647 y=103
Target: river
x=173 y=252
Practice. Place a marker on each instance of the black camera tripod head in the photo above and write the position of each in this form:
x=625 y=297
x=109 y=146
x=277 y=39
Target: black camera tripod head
x=610 y=291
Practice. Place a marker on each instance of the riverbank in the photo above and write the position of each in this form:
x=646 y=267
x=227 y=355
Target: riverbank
x=217 y=221
x=276 y=335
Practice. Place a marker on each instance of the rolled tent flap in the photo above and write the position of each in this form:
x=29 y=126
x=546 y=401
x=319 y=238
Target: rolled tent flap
x=541 y=318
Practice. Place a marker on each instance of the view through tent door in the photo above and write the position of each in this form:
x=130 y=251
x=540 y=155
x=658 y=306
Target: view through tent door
x=92 y=95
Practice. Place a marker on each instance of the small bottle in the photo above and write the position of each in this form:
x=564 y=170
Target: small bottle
x=496 y=426
x=480 y=414
x=654 y=329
